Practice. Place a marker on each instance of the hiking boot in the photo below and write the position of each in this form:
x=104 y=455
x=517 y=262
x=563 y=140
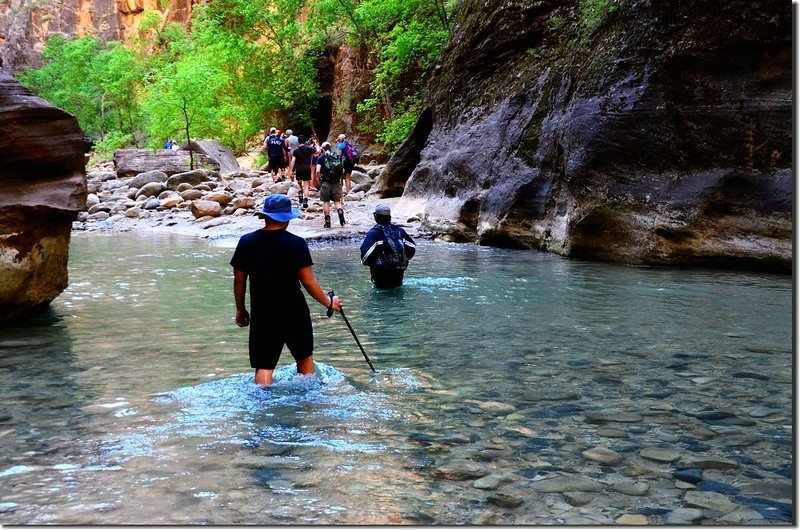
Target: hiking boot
x=305 y=204
x=341 y=216
x=327 y=222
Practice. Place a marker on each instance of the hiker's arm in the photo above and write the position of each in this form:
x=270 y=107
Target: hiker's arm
x=309 y=281
x=239 y=289
x=369 y=247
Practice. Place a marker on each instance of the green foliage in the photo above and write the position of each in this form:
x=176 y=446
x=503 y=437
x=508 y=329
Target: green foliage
x=95 y=82
x=241 y=63
x=557 y=22
x=401 y=40
x=104 y=149
x=593 y=12
x=396 y=131
x=65 y=79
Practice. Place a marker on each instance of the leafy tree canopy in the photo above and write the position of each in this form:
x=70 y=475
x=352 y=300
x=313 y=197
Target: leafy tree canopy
x=242 y=62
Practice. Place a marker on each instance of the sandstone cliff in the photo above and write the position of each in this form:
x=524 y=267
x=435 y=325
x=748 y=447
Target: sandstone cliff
x=659 y=133
x=42 y=188
x=25 y=25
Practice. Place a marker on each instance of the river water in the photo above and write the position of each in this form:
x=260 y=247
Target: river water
x=513 y=387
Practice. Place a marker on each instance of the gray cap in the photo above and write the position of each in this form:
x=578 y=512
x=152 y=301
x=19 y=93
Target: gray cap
x=383 y=209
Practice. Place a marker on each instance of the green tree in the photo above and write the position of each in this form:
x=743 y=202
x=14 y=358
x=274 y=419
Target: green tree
x=65 y=80
x=402 y=40
x=242 y=63
x=95 y=81
x=183 y=102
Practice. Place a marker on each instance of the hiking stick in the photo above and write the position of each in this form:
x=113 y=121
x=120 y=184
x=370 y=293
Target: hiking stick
x=330 y=312
x=357 y=341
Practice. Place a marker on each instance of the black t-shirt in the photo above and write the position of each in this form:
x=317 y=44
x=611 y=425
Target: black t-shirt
x=302 y=156
x=271 y=259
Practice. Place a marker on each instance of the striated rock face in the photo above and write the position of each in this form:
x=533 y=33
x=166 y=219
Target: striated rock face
x=661 y=134
x=25 y=25
x=42 y=188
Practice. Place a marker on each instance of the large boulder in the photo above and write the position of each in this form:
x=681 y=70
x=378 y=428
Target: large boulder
x=132 y=162
x=42 y=189
x=645 y=132
x=227 y=163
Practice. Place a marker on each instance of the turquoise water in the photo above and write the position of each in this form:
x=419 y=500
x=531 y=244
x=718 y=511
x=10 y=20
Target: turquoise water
x=131 y=400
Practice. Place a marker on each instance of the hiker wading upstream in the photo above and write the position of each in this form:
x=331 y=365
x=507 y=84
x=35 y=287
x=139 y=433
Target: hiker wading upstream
x=277 y=262
x=386 y=250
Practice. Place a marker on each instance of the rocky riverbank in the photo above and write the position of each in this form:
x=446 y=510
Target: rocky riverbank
x=205 y=204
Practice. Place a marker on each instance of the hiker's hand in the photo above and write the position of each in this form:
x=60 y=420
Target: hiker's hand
x=337 y=304
x=242 y=318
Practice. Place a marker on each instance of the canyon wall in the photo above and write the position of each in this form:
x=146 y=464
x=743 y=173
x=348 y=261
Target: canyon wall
x=42 y=188
x=654 y=133
x=25 y=25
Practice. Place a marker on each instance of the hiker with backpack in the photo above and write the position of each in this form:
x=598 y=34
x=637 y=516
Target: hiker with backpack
x=330 y=169
x=386 y=250
x=351 y=157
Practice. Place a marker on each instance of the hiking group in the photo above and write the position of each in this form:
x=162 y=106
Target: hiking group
x=277 y=263
x=318 y=168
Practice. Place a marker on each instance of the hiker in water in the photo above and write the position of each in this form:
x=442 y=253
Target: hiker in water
x=386 y=250
x=277 y=262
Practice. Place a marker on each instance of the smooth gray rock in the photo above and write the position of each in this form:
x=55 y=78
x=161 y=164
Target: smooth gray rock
x=709 y=500
x=684 y=516
x=636 y=489
x=147 y=177
x=660 y=454
x=564 y=484
x=603 y=455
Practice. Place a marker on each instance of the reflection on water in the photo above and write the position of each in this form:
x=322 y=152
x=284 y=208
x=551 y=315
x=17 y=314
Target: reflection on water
x=500 y=374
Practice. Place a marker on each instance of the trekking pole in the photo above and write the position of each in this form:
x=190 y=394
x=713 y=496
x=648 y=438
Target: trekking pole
x=330 y=312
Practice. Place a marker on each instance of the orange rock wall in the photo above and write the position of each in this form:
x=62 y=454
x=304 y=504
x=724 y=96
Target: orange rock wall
x=25 y=25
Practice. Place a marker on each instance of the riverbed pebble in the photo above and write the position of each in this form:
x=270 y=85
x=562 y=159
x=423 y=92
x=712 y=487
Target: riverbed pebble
x=564 y=484
x=603 y=455
x=660 y=454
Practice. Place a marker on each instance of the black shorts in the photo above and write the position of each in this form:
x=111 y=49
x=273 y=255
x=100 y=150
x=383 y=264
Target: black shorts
x=348 y=166
x=275 y=163
x=268 y=335
x=303 y=173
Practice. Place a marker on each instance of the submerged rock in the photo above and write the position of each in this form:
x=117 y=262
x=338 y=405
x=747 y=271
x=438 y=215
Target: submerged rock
x=565 y=484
